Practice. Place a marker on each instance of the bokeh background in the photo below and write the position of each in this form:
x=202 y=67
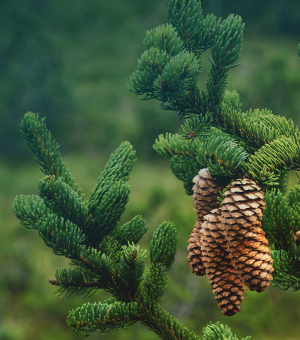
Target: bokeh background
x=70 y=61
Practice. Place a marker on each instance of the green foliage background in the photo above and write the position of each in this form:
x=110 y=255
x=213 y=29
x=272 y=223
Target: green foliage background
x=70 y=61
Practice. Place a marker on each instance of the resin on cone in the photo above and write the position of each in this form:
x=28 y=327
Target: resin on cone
x=242 y=210
x=225 y=281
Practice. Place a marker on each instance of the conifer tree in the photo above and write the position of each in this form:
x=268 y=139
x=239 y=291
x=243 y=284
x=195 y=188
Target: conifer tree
x=103 y=255
x=247 y=155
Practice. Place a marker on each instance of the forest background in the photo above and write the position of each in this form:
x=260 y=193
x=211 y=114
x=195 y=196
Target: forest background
x=70 y=61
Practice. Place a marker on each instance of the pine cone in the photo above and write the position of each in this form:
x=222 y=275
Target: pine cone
x=224 y=279
x=194 y=250
x=242 y=212
x=206 y=192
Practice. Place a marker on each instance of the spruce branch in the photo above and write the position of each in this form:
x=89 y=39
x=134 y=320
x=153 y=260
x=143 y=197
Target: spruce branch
x=131 y=269
x=185 y=169
x=96 y=264
x=111 y=248
x=131 y=231
x=150 y=67
x=164 y=38
x=232 y=99
x=218 y=331
x=160 y=322
x=196 y=127
x=284 y=182
x=225 y=52
x=39 y=139
x=222 y=157
x=106 y=316
x=71 y=228
x=155 y=282
x=197 y=33
x=195 y=102
x=118 y=168
x=280 y=155
x=105 y=211
x=179 y=75
x=244 y=126
x=163 y=245
x=278 y=220
x=293 y=199
x=30 y=209
x=63 y=236
x=63 y=200
x=286 y=274
x=173 y=145
x=74 y=282
x=282 y=126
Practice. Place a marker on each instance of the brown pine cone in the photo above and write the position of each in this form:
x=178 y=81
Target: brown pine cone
x=206 y=192
x=242 y=212
x=194 y=250
x=224 y=279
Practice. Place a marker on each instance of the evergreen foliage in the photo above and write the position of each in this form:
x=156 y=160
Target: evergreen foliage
x=218 y=331
x=103 y=255
x=217 y=134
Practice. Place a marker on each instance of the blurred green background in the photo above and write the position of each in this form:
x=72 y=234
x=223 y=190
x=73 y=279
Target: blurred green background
x=70 y=61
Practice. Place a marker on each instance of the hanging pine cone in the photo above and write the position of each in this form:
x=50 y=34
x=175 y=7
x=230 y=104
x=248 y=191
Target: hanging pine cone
x=206 y=192
x=224 y=279
x=242 y=212
x=194 y=250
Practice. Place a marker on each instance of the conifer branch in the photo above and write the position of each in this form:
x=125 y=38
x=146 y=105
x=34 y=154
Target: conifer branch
x=172 y=145
x=102 y=254
x=131 y=270
x=163 y=245
x=223 y=158
x=106 y=316
x=225 y=51
x=244 y=126
x=164 y=38
x=61 y=235
x=131 y=231
x=63 y=200
x=160 y=322
x=155 y=282
x=197 y=33
x=278 y=220
x=73 y=282
x=218 y=331
x=280 y=155
x=39 y=139
x=218 y=135
x=196 y=127
x=286 y=273
x=185 y=169
x=110 y=247
x=106 y=212
x=30 y=209
x=118 y=168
